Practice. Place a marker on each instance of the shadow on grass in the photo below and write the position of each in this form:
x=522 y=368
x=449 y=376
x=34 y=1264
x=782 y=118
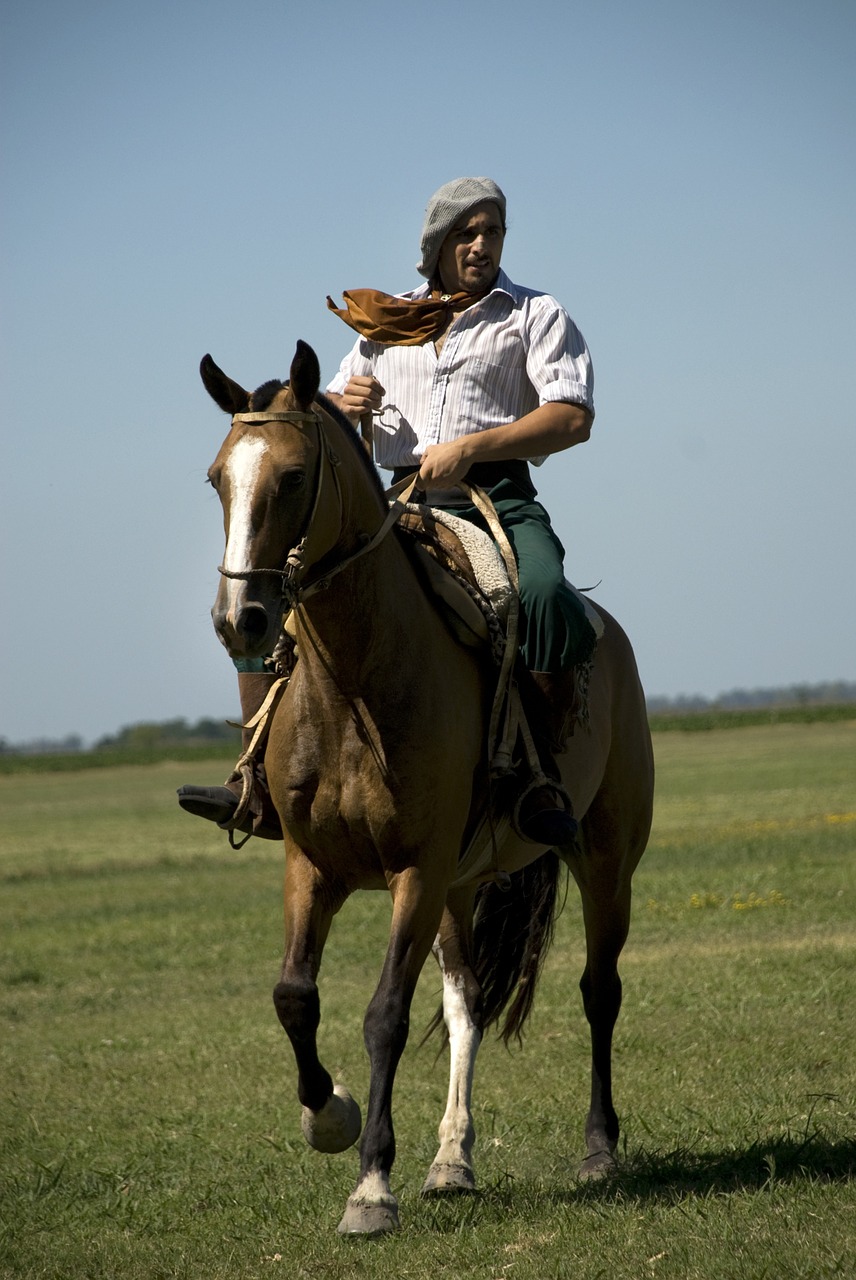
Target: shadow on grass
x=670 y=1175
x=667 y=1177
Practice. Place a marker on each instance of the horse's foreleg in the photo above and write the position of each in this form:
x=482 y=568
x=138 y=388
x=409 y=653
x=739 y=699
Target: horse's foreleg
x=331 y=1118
x=372 y=1208
x=607 y=919
x=452 y=1170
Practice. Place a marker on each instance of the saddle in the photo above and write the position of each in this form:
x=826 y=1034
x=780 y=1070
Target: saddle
x=463 y=569
x=474 y=582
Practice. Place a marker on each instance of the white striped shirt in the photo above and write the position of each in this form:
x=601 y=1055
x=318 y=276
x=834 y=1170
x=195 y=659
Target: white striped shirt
x=504 y=356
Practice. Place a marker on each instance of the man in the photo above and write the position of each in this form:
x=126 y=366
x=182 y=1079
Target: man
x=473 y=377
x=504 y=378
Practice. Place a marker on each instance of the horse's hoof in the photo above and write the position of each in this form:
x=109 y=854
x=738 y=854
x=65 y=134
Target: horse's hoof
x=369 y=1220
x=597 y=1165
x=449 y=1180
x=372 y=1209
x=336 y=1126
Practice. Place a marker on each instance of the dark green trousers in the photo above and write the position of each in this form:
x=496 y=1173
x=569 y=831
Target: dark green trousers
x=555 y=634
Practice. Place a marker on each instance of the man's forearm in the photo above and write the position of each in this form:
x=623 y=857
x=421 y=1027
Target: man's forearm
x=548 y=429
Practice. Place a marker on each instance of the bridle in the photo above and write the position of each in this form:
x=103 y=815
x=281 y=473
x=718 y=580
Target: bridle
x=294 y=588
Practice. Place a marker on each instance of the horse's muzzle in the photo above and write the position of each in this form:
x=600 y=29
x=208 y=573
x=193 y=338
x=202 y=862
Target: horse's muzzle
x=248 y=630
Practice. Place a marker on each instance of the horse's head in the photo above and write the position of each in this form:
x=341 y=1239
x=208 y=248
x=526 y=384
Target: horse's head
x=266 y=476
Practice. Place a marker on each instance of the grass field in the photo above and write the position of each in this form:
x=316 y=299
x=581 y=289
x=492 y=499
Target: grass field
x=148 y=1119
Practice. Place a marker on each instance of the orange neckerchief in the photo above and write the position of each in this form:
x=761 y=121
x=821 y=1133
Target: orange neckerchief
x=403 y=322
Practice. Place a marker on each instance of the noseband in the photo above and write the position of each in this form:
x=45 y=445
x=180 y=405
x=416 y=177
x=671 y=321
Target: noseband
x=293 y=588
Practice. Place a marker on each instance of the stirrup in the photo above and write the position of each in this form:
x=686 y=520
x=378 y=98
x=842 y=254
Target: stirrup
x=540 y=781
x=243 y=773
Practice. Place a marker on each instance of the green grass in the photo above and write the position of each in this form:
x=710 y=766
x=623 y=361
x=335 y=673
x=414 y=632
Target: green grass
x=148 y=1119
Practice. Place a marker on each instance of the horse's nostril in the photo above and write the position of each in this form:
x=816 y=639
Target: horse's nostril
x=252 y=622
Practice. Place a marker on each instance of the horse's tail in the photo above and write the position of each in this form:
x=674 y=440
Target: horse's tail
x=512 y=932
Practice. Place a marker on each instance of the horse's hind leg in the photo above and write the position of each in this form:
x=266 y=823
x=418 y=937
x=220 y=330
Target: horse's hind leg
x=606 y=912
x=331 y=1118
x=452 y=1170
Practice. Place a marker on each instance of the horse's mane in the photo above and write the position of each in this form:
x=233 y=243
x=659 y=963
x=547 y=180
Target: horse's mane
x=356 y=443
x=261 y=398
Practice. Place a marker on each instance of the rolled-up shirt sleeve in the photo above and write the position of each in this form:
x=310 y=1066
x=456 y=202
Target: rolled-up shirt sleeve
x=558 y=362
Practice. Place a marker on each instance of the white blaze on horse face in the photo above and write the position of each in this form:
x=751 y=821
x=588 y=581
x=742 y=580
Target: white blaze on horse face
x=243 y=469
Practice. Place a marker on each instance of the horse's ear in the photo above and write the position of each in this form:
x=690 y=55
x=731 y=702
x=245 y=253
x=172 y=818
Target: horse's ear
x=305 y=375
x=230 y=397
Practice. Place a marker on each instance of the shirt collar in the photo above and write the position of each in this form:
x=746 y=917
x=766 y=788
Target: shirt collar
x=501 y=284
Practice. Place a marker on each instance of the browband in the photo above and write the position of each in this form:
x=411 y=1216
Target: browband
x=295 y=416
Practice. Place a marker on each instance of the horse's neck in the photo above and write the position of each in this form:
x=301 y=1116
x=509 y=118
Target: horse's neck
x=372 y=622
x=377 y=663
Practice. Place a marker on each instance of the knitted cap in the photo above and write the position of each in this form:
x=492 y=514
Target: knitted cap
x=444 y=209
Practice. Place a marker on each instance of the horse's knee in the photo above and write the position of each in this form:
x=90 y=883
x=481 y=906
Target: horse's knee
x=601 y=998
x=298 y=1007
x=299 y=1010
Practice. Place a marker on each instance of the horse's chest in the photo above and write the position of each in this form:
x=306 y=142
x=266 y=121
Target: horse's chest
x=329 y=785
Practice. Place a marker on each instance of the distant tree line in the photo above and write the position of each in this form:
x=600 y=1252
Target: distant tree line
x=150 y=737
x=71 y=743
x=168 y=733
x=146 y=737
x=831 y=693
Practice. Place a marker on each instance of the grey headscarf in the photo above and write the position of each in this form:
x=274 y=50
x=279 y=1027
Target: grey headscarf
x=444 y=209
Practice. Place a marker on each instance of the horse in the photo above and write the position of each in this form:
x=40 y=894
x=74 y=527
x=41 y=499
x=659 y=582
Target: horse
x=375 y=761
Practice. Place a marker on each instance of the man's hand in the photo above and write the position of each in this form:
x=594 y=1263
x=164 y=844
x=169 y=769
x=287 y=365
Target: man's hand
x=442 y=465
x=363 y=394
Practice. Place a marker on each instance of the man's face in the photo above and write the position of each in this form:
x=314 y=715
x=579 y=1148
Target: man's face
x=470 y=254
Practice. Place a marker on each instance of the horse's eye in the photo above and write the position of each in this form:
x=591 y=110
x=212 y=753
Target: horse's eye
x=291 y=481
x=214 y=480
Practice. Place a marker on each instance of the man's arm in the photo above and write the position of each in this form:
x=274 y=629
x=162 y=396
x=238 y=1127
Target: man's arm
x=550 y=428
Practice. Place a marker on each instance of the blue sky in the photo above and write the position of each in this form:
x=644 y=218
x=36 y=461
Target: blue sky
x=193 y=175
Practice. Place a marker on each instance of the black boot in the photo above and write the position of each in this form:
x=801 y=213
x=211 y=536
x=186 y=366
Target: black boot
x=545 y=814
x=247 y=787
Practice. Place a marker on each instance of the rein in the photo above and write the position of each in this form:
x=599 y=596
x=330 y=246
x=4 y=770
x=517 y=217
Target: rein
x=294 y=589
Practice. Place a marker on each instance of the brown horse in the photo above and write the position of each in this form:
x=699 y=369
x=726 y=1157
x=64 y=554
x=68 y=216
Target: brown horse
x=375 y=762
